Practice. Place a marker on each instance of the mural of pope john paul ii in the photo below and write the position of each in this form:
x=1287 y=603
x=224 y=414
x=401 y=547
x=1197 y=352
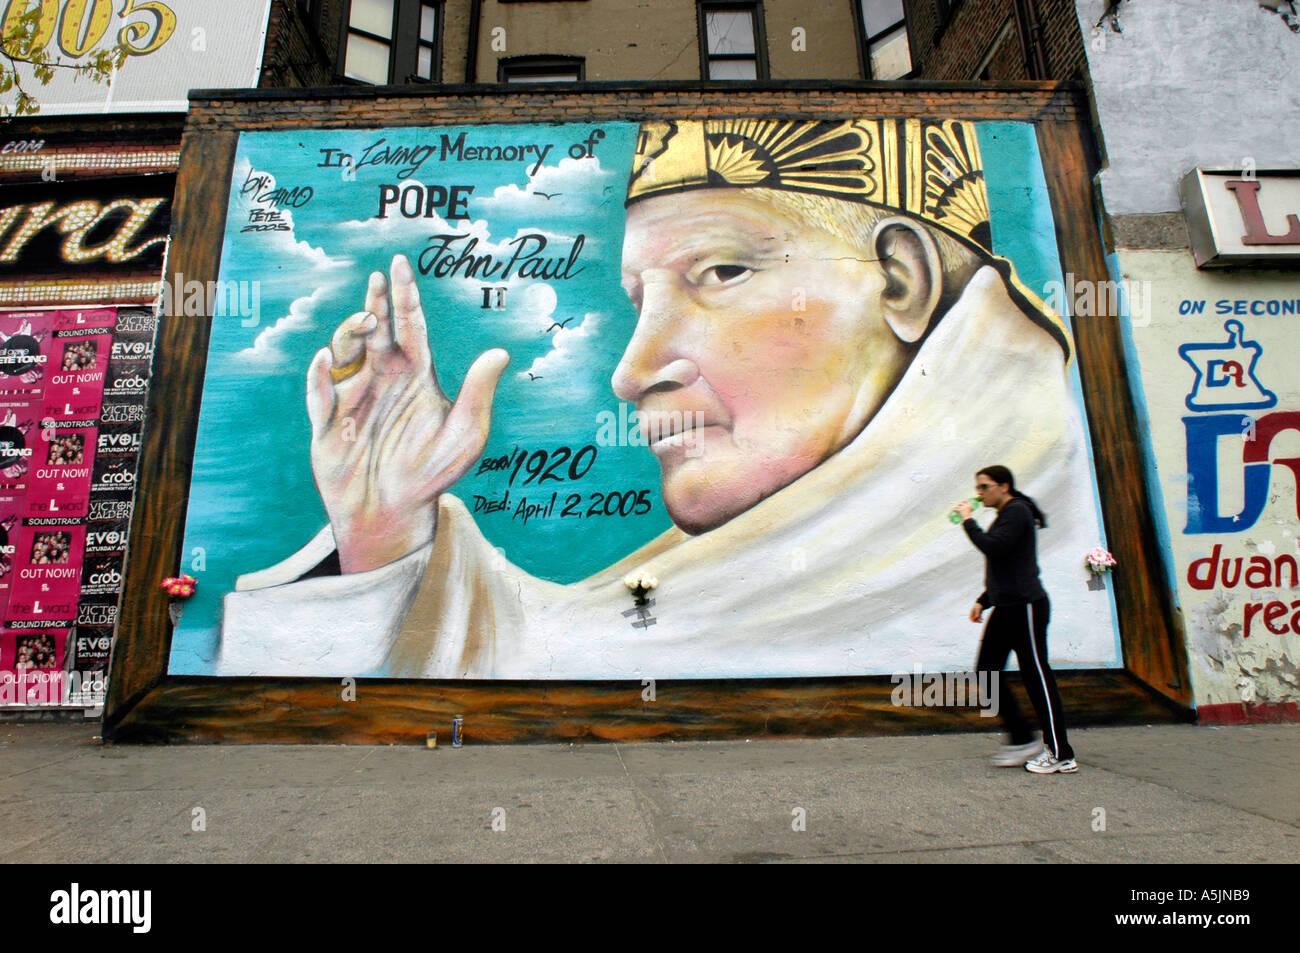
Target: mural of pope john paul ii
x=826 y=350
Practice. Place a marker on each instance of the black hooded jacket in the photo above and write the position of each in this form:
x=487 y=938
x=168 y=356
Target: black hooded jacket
x=1011 y=556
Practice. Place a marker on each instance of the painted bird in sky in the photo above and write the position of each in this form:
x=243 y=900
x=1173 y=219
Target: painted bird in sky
x=557 y=324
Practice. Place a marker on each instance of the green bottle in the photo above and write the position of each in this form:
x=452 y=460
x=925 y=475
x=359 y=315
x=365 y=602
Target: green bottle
x=955 y=517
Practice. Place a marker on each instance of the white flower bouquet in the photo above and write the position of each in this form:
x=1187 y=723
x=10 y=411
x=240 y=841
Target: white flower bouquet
x=639 y=584
x=1100 y=560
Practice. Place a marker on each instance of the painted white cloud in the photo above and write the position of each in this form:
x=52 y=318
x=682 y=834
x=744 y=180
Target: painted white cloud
x=565 y=185
x=537 y=302
x=289 y=267
x=571 y=350
x=304 y=315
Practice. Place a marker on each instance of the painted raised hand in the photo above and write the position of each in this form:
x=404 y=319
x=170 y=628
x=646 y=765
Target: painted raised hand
x=386 y=441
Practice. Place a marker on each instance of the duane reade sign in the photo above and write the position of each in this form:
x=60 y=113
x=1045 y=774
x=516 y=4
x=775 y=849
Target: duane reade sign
x=1237 y=217
x=172 y=46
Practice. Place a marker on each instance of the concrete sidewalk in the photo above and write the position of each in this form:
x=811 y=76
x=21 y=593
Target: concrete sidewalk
x=1169 y=794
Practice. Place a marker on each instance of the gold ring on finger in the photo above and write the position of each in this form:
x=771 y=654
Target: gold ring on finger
x=339 y=374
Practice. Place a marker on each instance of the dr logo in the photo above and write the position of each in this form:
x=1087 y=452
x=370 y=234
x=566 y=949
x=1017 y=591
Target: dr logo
x=1203 y=435
x=1225 y=374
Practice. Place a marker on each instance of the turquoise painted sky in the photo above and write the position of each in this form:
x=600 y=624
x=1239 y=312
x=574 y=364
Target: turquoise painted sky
x=253 y=501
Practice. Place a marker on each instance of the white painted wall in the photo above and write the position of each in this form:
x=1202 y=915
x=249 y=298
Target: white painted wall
x=1196 y=82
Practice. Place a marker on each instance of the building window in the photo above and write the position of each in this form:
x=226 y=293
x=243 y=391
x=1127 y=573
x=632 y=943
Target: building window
x=392 y=41
x=885 y=51
x=426 y=46
x=541 y=69
x=369 y=51
x=732 y=43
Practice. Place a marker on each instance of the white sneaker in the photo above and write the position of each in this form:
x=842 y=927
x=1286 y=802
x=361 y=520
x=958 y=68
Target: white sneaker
x=1013 y=756
x=1048 y=763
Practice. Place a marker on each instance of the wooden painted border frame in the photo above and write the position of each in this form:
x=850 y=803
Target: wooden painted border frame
x=146 y=704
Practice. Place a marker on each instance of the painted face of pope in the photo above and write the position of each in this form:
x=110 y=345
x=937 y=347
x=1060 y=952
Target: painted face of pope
x=778 y=340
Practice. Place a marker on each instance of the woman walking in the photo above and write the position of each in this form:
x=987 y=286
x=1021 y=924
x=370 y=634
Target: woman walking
x=1017 y=622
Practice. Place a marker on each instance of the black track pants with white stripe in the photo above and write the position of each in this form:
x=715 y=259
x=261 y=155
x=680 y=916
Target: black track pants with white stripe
x=1023 y=629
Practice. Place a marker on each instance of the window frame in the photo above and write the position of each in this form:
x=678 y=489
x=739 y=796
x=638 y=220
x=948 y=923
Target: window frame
x=540 y=61
x=346 y=30
x=407 y=49
x=864 y=41
x=761 y=69
x=403 y=48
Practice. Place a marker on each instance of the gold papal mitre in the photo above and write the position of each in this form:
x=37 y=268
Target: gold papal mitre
x=929 y=169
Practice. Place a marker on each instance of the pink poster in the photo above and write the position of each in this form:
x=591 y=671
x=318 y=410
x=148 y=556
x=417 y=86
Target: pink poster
x=47 y=572
x=59 y=485
x=25 y=344
x=84 y=318
x=20 y=434
x=10 y=517
x=74 y=390
x=31 y=666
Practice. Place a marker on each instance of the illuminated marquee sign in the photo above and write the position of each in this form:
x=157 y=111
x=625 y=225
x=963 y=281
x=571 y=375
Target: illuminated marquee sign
x=1237 y=217
x=107 y=225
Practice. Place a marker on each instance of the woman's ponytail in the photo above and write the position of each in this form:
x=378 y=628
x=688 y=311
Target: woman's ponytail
x=1039 y=518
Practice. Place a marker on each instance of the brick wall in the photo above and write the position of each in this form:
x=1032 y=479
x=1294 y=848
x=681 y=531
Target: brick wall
x=446 y=105
x=331 y=26
x=295 y=55
x=957 y=52
x=456 y=18
x=1008 y=56
x=1066 y=56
